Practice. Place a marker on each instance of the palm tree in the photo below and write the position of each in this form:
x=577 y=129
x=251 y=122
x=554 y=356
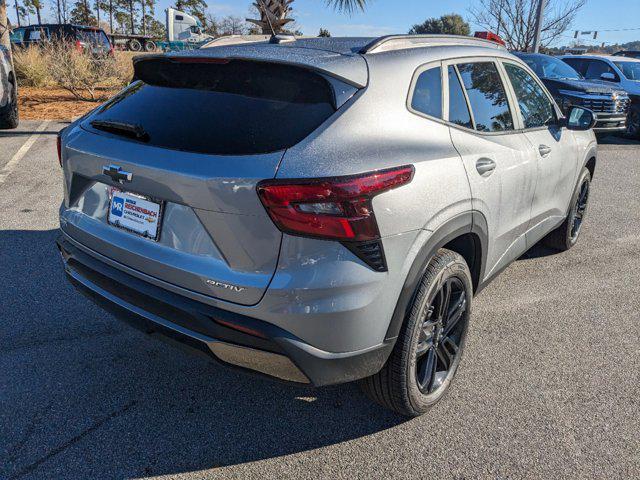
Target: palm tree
x=273 y=13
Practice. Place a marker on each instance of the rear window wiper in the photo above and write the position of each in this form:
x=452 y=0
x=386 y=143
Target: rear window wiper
x=121 y=128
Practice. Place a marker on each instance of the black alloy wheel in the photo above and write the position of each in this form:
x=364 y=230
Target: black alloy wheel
x=441 y=335
x=430 y=344
x=579 y=210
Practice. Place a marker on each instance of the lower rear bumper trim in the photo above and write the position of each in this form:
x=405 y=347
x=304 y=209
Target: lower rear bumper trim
x=154 y=310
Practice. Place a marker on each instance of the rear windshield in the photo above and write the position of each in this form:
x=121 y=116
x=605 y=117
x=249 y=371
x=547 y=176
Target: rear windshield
x=235 y=108
x=94 y=37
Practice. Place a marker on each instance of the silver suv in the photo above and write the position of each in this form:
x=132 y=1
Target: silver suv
x=321 y=210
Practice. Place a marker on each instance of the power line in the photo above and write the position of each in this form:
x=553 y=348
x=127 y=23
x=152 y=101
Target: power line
x=610 y=30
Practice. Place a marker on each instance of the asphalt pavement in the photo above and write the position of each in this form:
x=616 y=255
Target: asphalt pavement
x=548 y=387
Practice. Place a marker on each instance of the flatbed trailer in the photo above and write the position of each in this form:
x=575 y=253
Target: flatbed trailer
x=134 y=42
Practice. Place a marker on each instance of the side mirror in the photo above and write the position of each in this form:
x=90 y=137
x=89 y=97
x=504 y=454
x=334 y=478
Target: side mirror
x=579 y=118
x=608 y=76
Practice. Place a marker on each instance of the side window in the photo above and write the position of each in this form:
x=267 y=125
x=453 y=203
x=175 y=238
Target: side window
x=458 y=108
x=427 y=93
x=576 y=63
x=596 y=68
x=487 y=96
x=535 y=106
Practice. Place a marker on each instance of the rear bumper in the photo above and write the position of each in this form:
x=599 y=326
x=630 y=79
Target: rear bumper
x=230 y=338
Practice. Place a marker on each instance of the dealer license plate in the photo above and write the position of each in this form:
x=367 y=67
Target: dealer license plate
x=135 y=213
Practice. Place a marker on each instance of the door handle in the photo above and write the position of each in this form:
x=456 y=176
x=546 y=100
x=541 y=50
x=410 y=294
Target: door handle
x=485 y=166
x=544 y=150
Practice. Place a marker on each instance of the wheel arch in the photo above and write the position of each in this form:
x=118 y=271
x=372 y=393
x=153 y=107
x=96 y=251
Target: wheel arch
x=467 y=235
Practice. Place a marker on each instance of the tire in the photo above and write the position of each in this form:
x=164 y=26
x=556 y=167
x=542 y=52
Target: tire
x=150 y=46
x=9 y=117
x=135 y=45
x=566 y=235
x=425 y=337
x=633 y=123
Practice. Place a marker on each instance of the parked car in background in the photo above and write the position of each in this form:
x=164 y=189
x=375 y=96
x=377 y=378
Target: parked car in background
x=16 y=35
x=91 y=39
x=345 y=241
x=628 y=53
x=617 y=71
x=568 y=87
x=8 y=91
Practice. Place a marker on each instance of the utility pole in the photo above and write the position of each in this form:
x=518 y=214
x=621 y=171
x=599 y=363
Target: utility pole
x=17 y=12
x=539 y=18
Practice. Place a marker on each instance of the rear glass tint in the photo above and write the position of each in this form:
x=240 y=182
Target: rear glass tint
x=236 y=108
x=94 y=37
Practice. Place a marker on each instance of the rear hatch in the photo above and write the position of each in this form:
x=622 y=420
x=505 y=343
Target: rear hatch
x=183 y=148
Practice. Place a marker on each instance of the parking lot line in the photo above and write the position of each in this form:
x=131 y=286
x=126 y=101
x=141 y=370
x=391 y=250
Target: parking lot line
x=15 y=160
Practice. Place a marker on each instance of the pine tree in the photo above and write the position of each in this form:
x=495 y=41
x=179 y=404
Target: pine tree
x=82 y=14
x=197 y=8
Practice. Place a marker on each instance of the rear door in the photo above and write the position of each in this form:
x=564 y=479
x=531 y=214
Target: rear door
x=187 y=143
x=552 y=151
x=496 y=156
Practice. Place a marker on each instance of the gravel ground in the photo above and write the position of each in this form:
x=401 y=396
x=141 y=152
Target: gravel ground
x=548 y=388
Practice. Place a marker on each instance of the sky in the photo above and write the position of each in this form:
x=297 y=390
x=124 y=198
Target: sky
x=383 y=17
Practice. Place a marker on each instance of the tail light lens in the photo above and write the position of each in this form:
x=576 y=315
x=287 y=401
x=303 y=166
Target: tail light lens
x=59 y=147
x=330 y=208
x=79 y=45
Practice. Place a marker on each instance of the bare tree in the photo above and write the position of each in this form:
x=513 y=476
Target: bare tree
x=515 y=20
x=232 y=26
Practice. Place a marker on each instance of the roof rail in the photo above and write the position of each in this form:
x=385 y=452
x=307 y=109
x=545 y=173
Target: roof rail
x=402 y=42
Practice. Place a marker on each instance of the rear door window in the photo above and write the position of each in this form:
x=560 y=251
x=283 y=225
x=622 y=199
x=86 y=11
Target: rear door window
x=427 y=93
x=226 y=108
x=458 y=108
x=487 y=96
x=37 y=34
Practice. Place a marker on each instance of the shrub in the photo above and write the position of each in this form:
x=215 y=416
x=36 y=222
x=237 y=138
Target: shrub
x=78 y=71
x=32 y=67
x=122 y=68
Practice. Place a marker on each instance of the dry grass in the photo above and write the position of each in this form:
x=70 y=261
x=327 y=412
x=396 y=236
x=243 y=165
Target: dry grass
x=56 y=103
x=61 y=66
x=61 y=83
x=32 y=67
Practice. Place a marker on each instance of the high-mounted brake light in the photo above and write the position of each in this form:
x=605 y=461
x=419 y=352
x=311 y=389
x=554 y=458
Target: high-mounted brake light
x=210 y=60
x=331 y=208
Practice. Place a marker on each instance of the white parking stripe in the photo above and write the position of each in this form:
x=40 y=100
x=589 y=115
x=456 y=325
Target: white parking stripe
x=13 y=163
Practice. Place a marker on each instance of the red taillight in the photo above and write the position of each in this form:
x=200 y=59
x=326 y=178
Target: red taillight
x=78 y=45
x=337 y=208
x=59 y=147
